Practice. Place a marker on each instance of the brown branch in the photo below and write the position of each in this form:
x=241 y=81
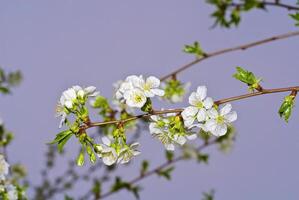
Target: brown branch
x=227 y=50
x=293 y=90
x=264 y=4
x=179 y=110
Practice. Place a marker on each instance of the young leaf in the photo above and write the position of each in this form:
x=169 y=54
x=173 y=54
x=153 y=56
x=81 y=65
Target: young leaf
x=80 y=159
x=166 y=173
x=144 y=167
x=169 y=155
x=194 y=49
x=296 y=18
x=286 y=107
x=247 y=77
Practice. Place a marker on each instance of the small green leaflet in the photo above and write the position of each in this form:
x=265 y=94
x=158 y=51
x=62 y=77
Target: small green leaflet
x=61 y=139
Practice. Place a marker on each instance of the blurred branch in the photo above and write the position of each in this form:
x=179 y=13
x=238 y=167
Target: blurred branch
x=160 y=167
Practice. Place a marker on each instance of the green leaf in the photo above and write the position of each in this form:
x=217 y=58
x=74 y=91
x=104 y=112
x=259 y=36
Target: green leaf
x=208 y=195
x=119 y=184
x=80 y=159
x=166 y=173
x=63 y=141
x=4 y=90
x=60 y=136
x=203 y=158
x=286 y=107
x=144 y=167
x=97 y=189
x=247 y=77
x=194 y=49
x=296 y=18
x=147 y=107
x=169 y=155
x=66 y=197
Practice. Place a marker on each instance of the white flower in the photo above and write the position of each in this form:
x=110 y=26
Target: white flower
x=69 y=98
x=200 y=103
x=127 y=153
x=218 y=122
x=159 y=128
x=135 y=98
x=135 y=90
x=150 y=86
x=12 y=192
x=4 y=167
x=123 y=87
x=108 y=154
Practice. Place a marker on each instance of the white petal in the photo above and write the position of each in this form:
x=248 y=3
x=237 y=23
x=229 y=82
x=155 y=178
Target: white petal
x=191 y=137
x=211 y=125
x=149 y=93
x=194 y=99
x=90 y=90
x=181 y=140
x=106 y=141
x=201 y=115
x=213 y=113
x=189 y=111
x=208 y=103
x=77 y=88
x=220 y=130
x=169 y=147
x=153 y=82
x=68 y=104
x=230 y=117
x=158 y=92
x=202 y=92
x=188 y=121
x=226 y=109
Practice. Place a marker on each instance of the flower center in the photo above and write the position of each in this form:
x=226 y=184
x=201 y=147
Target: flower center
x=199 y=104
x=220 y=119
x=147 y=87
x=138 y=98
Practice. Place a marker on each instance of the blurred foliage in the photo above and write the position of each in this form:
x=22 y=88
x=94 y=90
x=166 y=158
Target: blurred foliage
x=9 y=80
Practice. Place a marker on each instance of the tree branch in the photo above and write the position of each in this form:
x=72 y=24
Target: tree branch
x=179 y=110
x=264 y=4
x=159 y=168
x=227 y=50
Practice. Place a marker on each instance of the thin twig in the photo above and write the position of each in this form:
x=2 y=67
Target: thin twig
x=179 y=110
x=227 y=50
x=264 y=4
x=159 y=168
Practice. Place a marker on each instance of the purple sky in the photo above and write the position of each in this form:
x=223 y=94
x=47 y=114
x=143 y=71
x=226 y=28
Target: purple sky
x=60 y=43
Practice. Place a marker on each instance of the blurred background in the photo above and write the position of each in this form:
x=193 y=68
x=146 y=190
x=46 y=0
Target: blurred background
x=57 y=44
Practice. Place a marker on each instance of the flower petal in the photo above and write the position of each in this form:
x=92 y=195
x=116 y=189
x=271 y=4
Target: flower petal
x=202 y=92
x=213 y=113
x=208 y=103
x=226 y=109
x=230 y=117
x=220 y=130
x=201 y=115
x=153 y=82
x=194 y=99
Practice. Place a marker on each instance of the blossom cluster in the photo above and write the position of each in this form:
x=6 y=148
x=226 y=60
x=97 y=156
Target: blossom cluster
x=135 y=90
x=113 y=152
x=204 y=114
x=72 y=99
x=170 y=128
x=7 y=190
